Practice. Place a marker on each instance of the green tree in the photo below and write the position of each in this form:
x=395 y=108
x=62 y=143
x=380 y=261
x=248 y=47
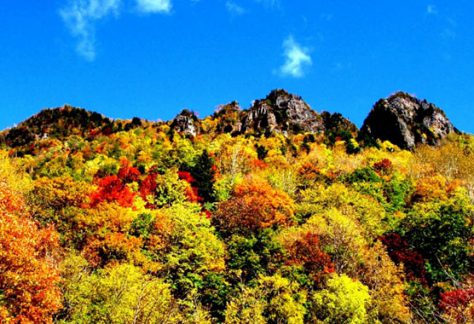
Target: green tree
x=203 y=172
x=442 y=231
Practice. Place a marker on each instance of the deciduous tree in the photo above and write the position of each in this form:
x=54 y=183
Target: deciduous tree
x=254 y=206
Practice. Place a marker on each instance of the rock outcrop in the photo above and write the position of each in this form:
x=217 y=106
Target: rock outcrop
x=186 y=123
x=406 y=121
x=281 y=112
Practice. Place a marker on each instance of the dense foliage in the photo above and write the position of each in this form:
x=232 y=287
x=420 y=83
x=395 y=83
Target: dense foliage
x=145 y=225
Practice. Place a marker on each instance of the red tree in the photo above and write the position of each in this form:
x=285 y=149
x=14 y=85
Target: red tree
x=399 y=251
x=307 y=252
x=111 y=189
x=458 y=304
x=128 y=174
x=192 y=192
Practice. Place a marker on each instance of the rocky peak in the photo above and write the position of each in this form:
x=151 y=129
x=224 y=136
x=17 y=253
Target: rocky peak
x=407 y=121
x=282 y=112
x=186 y=123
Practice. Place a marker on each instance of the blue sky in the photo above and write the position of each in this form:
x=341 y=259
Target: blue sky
x=151 y=58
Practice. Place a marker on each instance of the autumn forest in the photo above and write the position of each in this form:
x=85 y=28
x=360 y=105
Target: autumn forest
x=274 y=214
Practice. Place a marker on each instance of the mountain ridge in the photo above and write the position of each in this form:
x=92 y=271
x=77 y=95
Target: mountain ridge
x=400 y=118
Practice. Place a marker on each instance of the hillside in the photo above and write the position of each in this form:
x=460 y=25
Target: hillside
x=276 y=213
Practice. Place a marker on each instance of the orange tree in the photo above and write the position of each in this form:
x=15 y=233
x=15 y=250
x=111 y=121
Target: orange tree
x=28 y=276
x=254 y=206
x=248 y=222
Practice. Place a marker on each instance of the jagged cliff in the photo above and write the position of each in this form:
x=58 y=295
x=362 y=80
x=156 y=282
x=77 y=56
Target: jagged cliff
x=282 y=112
x=279 y=112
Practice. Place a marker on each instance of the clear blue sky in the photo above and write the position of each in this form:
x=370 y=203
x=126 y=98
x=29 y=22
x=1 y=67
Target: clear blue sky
x=151 y=58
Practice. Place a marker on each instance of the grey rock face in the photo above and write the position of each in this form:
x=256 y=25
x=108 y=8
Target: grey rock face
x=407 y=121
x=281 y=112
x=185 y=123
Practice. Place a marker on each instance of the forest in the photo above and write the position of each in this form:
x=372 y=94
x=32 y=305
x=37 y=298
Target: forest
x=132 y=221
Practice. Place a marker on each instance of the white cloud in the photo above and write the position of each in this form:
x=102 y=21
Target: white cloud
x=431 y=9
x=297 y=59
x=154 y=6
x=234 y=8
x=80 y=17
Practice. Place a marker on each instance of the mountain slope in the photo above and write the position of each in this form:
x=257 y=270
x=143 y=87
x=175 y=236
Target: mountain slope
x=201 y=220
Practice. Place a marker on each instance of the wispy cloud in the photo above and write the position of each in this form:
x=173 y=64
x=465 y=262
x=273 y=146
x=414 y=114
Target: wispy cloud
x=431 y=9
x=447 y=24
x=449 y=31
x=154 y=6
x=81 y=17
x=297 y=59
x=234 y=8
x=269 y=3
